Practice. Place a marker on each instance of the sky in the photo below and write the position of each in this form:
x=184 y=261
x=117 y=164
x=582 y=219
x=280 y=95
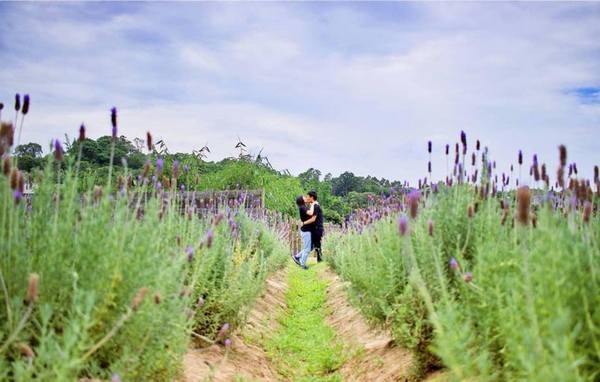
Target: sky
x=336 y=86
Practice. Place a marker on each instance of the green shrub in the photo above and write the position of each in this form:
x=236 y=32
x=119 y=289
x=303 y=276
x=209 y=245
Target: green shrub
x=94 y=253
x=529 y=313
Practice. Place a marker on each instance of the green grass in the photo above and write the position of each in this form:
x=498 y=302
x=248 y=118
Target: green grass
x=305 y=348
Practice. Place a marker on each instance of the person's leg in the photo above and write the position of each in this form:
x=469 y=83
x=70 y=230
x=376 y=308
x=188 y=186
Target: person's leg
x=306 y=244
x=317 y=244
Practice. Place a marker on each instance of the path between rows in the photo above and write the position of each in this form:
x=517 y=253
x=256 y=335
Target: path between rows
x=371 y=356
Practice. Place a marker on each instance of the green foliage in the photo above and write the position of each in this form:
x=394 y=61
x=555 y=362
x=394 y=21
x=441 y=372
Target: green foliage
x=339 y=196
x=280 y=190
x=304 y=348
x=93 y=254
x=530 y=312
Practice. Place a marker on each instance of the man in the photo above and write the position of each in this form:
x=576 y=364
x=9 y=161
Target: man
x=317 y=228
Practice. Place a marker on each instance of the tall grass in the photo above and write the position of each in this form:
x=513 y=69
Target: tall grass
x=488 y=301
x=102 y=283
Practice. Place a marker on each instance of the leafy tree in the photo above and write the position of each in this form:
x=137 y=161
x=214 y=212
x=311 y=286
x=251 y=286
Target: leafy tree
x=31 y=149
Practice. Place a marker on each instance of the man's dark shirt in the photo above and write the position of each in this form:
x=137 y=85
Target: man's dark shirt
x=318 y=212
x=304 y=217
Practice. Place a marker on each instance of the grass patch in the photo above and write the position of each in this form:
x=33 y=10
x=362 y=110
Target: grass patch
x=305 y=348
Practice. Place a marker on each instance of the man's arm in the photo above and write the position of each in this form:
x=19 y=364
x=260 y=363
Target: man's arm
x=311 y=220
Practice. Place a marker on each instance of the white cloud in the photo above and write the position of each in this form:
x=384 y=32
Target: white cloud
x=360 y=87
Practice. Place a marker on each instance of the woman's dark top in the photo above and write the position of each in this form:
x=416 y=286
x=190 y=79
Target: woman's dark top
x=304 y=217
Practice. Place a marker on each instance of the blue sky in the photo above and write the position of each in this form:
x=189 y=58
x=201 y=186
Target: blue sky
x=337 y=86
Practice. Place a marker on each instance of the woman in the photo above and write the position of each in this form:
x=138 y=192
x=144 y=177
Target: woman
x=305 y=232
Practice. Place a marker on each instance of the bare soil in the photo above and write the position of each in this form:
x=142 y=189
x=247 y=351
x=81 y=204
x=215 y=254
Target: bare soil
x=245 y=360
x=374 y=358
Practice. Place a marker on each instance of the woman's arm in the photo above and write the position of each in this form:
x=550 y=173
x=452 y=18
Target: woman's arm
x=309 y=221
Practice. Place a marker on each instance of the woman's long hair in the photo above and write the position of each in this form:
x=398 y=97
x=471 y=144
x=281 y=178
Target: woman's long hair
x=300 y=201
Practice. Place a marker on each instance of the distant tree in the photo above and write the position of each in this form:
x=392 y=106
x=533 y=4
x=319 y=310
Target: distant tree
x=345 y=183
x=31 y=149
x=29 y=156
x=310 y=178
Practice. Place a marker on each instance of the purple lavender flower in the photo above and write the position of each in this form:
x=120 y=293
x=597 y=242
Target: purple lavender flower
x=209 y=238
x=186 y=168
x=228 y=343
x=453 y=264
x=25 y=108
x=175 y=168
x=468 y=277
x=189 y=250
x=18 y=196
x=403 y=225
x=223 y=331
x=447 y=149
x=17 y=102
x=58 y=150
x=429 y=147
x=113 y=121
x=413 y=202
x=573 y=201
x=159 y=165
x=520 y=157
x=463 y=138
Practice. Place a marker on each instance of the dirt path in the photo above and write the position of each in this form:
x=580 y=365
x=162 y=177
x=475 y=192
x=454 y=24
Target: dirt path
x=245 y=360
x=374 y=358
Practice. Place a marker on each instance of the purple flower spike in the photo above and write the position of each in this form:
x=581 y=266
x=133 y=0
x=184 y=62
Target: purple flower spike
x=413 y=202
x=175 y=168
x=468 y=277
x=25 y=108
x=447 y=149
x=186 y=168
x=113 y=120
x=209 y=238
x=463 y=138
x=453 y=264
x=228 y=343
x=520 y=157
x=159 y=165
x=403 y=225
x=18 y=195
x=58 y=150
x=429 y=147
x=190 y=252
x=223 y=331
x=17 y=102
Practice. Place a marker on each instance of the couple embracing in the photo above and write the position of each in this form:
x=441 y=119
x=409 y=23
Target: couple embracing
x=311 y=227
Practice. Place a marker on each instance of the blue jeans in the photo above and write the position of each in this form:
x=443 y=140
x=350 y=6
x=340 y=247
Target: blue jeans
x=306 y=247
